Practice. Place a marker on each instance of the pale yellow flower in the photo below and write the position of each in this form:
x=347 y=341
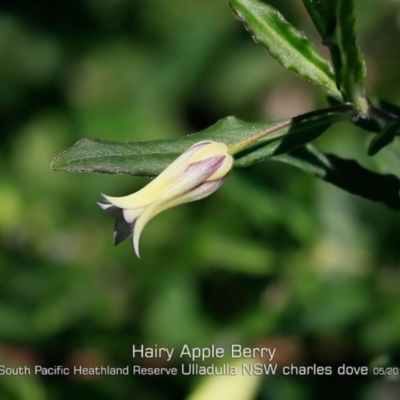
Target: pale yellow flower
x=195 y=174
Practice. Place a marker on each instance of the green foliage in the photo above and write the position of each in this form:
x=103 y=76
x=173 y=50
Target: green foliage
x=150 y=158
x=347 y=174
x=284 y=42
x=385 y=138
x=322 y=12
x=335 y=22
x=275 y=258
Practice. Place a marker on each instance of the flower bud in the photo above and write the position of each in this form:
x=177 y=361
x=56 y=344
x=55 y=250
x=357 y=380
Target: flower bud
x=195 y=174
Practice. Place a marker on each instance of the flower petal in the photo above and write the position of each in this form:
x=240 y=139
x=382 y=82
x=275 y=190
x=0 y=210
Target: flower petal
x=211 y=150
x=201 y=191
x=194 y=175
x=223 y=170
x=162 y=182
x=197 y=173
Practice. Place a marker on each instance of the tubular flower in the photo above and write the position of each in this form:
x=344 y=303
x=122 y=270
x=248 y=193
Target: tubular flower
x=195 y=174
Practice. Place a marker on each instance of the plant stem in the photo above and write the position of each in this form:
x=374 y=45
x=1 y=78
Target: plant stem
x=382 y=114
x=243 y=144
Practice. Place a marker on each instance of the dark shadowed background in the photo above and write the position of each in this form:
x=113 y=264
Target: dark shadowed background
x=275 y=258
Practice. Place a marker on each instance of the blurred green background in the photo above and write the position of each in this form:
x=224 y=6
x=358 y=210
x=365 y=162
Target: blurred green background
x=275 y=258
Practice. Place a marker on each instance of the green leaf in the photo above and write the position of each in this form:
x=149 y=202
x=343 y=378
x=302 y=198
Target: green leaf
x=151 y=157
x=284 y=42
x=335 y=22
x=388 y=160
x=346 y=174
x=380 y=141
x=285 y=140
x=322 y=14
x=381 y=112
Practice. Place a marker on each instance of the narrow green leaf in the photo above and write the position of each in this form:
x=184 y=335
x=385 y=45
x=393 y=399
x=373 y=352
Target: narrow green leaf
x=150 y=158
x=322 y=13
x=335 y=21
x=284 y=42
x=380 y=141
x=346 y=174
x=388 y=161
x=147 y=158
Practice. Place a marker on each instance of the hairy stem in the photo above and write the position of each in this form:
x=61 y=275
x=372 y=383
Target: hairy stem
x=382 y=114
x=248 y=142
